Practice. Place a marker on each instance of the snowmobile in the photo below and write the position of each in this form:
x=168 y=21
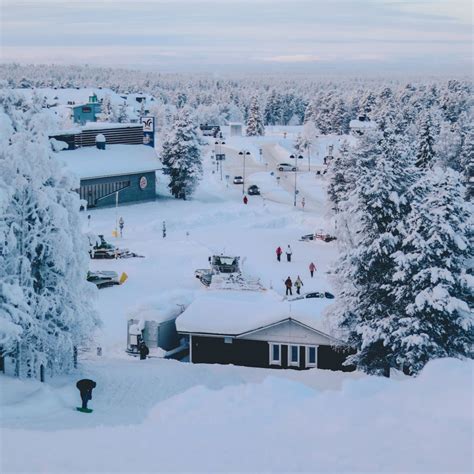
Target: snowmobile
x=314 y=294
x=104 y=279
x=318 y=236
x=225 y=274
x=101 y=249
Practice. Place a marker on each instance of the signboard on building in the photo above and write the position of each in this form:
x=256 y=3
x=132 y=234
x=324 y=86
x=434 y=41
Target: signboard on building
x=148 y=131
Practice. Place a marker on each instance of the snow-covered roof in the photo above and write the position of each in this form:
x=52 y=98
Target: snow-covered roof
x=233 y=312
x=115 y=160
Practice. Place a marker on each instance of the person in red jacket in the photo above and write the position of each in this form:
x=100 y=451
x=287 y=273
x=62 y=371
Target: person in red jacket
x=246 y=200
x=312 y=269
x=279 y=251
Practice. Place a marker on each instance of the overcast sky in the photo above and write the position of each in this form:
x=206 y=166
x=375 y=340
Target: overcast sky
x=385 y=36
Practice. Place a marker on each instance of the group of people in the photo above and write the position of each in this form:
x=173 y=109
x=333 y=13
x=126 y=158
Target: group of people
x=288 y=252
x=297 y=284
x=288 y=282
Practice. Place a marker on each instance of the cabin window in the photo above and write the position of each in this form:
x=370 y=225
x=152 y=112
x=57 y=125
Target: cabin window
x=294 y=355
x=227 y=340
x=275 y=354
x=311 y=356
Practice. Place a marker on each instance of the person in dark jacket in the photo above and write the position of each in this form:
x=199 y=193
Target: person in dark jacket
x=144 y=351
x=85 y=387
x=246 y=200
x=289 y=285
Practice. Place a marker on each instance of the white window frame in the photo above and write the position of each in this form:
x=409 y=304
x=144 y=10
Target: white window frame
x=290 y=362
x=308 y=363
x=270 y=357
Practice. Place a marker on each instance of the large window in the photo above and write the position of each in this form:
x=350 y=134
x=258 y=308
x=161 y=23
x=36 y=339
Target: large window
x=294 y=355
x=275 y=354
x=311 y=356
x=94 y=192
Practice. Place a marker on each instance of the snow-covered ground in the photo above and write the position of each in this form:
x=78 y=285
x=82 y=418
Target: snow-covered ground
x=163 y=415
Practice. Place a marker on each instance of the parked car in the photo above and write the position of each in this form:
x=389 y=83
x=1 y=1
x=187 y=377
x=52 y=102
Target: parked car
x=318 y=236
x=238 y=180
x=253 y=190
x=286 y=167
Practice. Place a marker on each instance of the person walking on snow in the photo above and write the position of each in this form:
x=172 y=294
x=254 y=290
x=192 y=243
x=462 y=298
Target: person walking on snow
x=312 y=269
x=279 y=251
x=246 y=200
x=298 y=285
x=288 y=284
x=121 y=224
x=144 y=351
x=289 y=252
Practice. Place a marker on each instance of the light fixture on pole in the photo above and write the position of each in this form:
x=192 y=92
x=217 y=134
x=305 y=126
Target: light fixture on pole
x=300 y=157
x=244 y=154
x=218 y=152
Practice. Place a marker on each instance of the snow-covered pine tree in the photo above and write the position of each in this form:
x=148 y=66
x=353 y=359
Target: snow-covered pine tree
x=181 y=156
x=425 y=152
x=123 y=114
x=433 y=290
x=310 y=113
x=369 y=235
x=255 y=125
x=44 y=257
x=106 y=109
x=341 y=176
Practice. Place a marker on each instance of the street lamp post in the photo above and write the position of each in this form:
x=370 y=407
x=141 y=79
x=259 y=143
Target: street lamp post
x=219 y=156
x=244 y=154
x=294 y=157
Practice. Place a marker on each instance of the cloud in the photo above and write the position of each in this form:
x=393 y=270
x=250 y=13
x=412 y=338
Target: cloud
x=187 y=33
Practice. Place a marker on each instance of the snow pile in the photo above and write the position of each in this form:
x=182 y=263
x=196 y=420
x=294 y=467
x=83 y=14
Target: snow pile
x=372 y=425
x=167 y=307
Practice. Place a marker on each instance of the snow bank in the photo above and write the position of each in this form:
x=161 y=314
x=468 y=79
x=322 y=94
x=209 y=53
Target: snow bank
x=372 y=425
x=162 y=309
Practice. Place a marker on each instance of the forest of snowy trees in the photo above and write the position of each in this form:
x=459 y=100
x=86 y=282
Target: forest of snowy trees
x=398 y=197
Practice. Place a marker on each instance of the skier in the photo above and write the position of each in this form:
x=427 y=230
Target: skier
x=288 y=284
x=85 y=387
x=121 y=224
x=298 y=285
x=279 y=251
x=144 y=351
x=246 y=200
x=312 y=269
x=289 y=252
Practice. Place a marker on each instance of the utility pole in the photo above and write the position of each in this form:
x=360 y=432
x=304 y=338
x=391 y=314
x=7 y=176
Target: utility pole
x=294 y=157
x=244 y=154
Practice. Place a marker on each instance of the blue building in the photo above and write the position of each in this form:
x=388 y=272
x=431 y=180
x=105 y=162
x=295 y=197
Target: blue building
x=122 y=172
x=86 y=112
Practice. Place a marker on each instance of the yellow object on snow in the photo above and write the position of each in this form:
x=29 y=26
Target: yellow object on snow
x=114 y=233
x=123 y=278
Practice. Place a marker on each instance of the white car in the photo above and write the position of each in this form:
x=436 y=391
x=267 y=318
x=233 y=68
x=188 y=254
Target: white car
x=287 y=167
x=238 y=180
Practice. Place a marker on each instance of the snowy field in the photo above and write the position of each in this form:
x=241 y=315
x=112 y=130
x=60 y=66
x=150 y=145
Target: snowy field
x=166 y=416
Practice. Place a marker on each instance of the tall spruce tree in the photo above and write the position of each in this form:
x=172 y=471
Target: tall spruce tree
x=368 y=226
x=255 y=125
x=425 y=153
x=44 y=258
x=433 y=292
x=181 y=156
